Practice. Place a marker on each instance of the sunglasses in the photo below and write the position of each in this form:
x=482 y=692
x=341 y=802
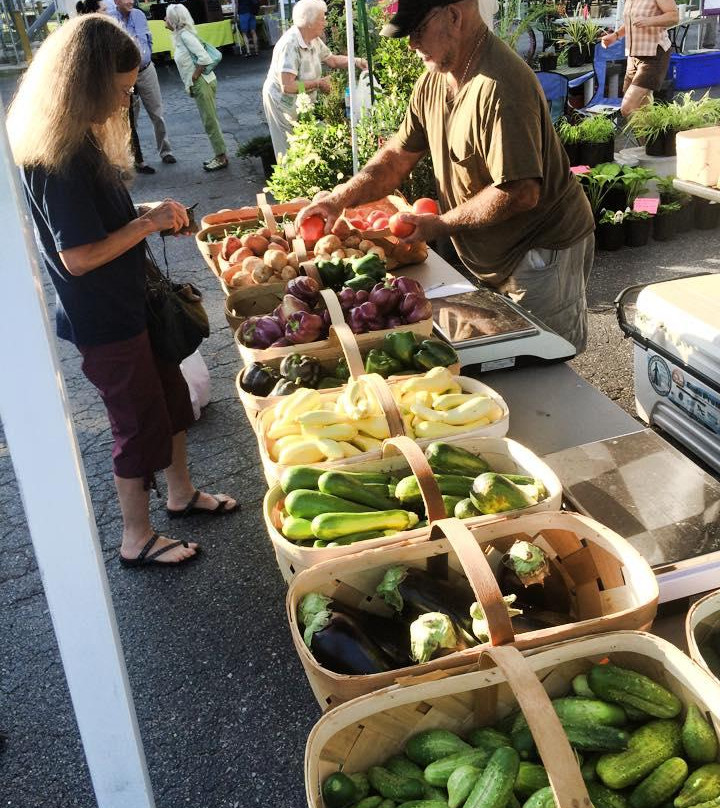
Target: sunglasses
x=419 y=31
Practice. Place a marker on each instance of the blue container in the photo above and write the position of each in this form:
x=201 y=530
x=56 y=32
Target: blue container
x=692 y=70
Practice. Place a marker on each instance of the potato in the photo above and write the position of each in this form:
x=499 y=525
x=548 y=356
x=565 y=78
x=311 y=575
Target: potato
x=229 y=245
x=265 y=232
x=250 y=264
x=239 y=255
x=328 y=244
x=261 y=274
x=337 y=254
x=231 y=271
x=292 y=260
x=238 y=279
x=288 y=273
x=377 y=251
x=280 y=242
x=322 y=256
x=350 y=253
x=255 y=243
x=365 y=245
x=352 y=241
x=275 y=259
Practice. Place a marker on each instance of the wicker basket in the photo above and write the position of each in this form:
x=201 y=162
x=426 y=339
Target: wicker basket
x=229 y=215
x=366 y=731
x=210 y=250
x=503 y=455
x=382 y=390
x=251 y=301
x=605 y=582
x=703 y=619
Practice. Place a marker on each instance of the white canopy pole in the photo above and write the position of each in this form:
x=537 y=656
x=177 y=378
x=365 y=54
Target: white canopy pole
x=282 y=16
x=351 y=81
x=39 y=431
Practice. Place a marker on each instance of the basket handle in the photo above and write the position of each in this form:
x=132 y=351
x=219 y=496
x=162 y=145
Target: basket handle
x=480 y=575
x=387 y=402
x=266 y=213
x=289 y=230
x=552 y=743
x=434 y=507
x=350 y=349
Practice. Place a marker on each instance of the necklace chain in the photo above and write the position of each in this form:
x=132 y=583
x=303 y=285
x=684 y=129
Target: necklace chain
x=472 y=55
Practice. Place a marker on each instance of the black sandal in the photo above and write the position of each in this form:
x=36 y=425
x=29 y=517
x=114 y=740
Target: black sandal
x=190 y=510
x=144 y=560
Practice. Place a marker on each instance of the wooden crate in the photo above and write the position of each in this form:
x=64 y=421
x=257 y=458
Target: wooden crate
x=367 y=730
x=703 y=618
x=503 y=455
x=498 y=429
x=605 y=581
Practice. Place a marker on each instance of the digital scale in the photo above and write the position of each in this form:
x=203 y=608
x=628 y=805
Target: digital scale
x=490 y=332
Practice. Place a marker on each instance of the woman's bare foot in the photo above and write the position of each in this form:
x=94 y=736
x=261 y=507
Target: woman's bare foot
x=200 y=503
x=155 y=549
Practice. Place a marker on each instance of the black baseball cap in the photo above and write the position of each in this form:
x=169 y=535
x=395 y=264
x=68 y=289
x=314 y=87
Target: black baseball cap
x=410 y=14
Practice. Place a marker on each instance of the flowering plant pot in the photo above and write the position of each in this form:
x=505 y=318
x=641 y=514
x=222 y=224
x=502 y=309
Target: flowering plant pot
x=665 y=222
x=637 y=231
x=610 y=235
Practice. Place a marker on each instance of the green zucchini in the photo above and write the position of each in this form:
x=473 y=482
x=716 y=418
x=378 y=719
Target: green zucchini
x=402 y=765
x=450 y=503
x=531 y=777
x=488 y=738
x=603 y=797
x=465 y=509
x=305 y=504
x=460 y=784
x=338 y=791
x=701 y=786
x=394 y=786
x=455 y=485
x=543 y=798
x=446 y=458
x=495 y=785
x=661 y=784
x=519 y=479
x=331 y=526
x=296 y=529
x=343 y=485
x=438 y=772
x=432 y=744
x=296 y=477
x=351 y=538
x=624 y=686
x=698 y=737
x=649 y=746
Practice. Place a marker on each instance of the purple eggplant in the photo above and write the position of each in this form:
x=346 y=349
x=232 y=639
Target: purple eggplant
x=361 y=296
x=414 y=308
x=303 y=326
x=407 y=285
x=369 y=311
x=281 y=343
x=394 y=321
x=376 y=324
x=305 y=289
x=346 y=297
x=356 y=321
x=326 y=318
x=260 y=332
x=386 y=298
x=291 y=304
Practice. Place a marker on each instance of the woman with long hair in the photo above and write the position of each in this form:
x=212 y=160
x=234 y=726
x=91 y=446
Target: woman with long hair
x=191 y=59
x=69 y=133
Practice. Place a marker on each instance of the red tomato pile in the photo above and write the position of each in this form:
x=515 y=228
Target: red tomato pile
x=381 y=220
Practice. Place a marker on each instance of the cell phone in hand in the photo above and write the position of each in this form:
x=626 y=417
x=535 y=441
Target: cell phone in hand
x=191 y=228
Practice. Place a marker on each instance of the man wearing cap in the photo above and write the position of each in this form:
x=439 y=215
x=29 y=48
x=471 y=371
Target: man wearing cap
x=517 y=216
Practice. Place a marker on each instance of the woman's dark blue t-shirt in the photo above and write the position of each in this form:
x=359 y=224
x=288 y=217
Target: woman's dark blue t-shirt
x=82 y=206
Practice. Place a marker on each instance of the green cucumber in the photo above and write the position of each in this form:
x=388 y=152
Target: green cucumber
x=531 y=777
x=576 y=710
x=585 y=737
x=465 y=509
x=424 y=804
x=351 y=538
x=661 y=784
x=432 y=744
x=450 y=504
x=455 y=485
x=698 y=737
x=394 y=786
x=296 y=529
x=438 y=772
x=488 y=738
x=460 y=784
x=362 y=784
x=296 y=477
x=446 y=458
x=341 y=484
x=305 y=504
x=495 y=785
x=624 y=686
x=370 y=802
x=587 y=769
x=403 y=766
x=338 y=791
x=319 y=544
x=701 y=786
x=581 y=687
x=331 y=526
x=543 y=798
x=387 y=804
x=603 y=797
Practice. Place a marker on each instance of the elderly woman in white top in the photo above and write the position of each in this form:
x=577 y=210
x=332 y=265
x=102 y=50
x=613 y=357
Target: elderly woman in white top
x=296 y=67
x=192 y=59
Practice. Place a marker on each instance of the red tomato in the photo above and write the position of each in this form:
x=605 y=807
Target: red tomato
x=312 y=228
x=425 y=205
x=380 y=223
x=398 y=227
x=375 y=214
x=358 y=224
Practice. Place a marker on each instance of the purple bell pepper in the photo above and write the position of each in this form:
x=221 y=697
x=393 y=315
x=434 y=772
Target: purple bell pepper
x=303 y=326
x=386 y=298
x=260 y=332
x=356 y=321
x=346 y=297
x=281 y=343
x=393 y=321
x=291 y=304
x=415 y=307
x=369 y=311
x=407 y=285
x=361 y=296
x=305 y=289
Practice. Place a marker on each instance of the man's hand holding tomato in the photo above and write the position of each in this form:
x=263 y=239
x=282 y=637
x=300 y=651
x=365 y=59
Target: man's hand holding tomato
x=322 y=207
x=412 y=227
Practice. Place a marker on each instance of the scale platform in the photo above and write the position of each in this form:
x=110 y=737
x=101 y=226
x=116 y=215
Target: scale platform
x=490 y=332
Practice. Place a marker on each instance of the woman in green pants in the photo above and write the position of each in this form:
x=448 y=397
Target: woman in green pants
x=191 y=59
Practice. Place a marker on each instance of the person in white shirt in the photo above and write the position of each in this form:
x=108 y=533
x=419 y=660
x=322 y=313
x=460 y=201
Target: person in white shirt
x=192 y=59
x=296 y=67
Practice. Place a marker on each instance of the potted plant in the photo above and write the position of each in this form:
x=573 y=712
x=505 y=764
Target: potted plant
x=597 y=140
x=597 y=183
x=610 y=232
x=638 y=225
x=547 y=60
x=684 y=219
x=573 y=42
x=707 y=214
x=261 y=147
x=569 y=135
x=634 y=180
x=591 y=33
x=665 y=221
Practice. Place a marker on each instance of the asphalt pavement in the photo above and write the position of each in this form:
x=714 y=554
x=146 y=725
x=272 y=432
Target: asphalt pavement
x=223 y=704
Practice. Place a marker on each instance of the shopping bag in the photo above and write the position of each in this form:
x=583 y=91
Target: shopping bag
x=197 y=377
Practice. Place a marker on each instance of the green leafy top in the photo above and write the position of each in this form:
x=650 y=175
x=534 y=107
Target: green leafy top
x=596 y=129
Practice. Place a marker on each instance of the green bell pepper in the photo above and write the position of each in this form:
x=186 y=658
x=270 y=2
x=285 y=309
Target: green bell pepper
x=342 y=371
x=333 y=273
x=370 y=264
x=365 y=282
x=432 y=353
x=378 y=361
x=401 y=345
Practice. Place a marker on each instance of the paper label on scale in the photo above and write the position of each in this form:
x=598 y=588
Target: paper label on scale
x=497 y=364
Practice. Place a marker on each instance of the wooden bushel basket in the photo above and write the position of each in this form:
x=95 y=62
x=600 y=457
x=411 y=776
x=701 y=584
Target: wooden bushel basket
x=606 y=582
x=703 y=618
x=368 y=730
x=503 y=455
x=251 y=301
x=382 y=390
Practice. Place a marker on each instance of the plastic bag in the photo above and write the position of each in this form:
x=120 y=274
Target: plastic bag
x=363 y=99
x=197 y=377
